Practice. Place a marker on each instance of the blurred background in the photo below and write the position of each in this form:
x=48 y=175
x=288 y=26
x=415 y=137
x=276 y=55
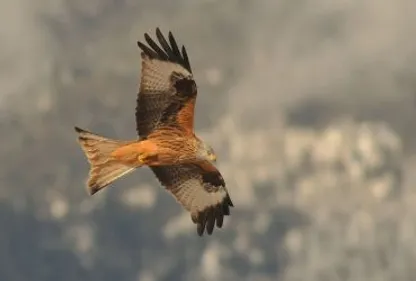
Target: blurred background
x=310 y=106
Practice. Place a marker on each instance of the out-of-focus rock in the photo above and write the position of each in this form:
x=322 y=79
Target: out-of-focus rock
x=345 y=155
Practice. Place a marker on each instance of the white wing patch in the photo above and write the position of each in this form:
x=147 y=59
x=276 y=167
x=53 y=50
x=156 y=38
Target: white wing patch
x=156 y=75
x=194 y=197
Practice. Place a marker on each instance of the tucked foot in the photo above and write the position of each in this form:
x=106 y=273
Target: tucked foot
x=142 y=158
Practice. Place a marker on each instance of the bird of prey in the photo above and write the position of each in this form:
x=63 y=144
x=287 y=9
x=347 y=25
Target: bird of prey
x=166 y=143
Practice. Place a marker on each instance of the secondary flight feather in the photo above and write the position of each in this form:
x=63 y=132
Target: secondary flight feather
x=167 y=144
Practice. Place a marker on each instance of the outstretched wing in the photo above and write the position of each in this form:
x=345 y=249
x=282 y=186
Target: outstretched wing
x=200 y=190
x=167 y=88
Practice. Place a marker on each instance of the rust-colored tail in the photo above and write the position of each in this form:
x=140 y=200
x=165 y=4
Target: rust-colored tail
x=104 y=167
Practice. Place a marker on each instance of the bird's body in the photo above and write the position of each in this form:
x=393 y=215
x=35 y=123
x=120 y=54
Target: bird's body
x=163 y=147
x=167 y=143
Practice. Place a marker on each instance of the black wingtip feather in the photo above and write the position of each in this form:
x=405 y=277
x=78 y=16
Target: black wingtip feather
x=185 y=59
x=199 y=229
x=202 y=223
x=146 y=50
x=173 y=44
x=226 y=210
x=219 y=217
x=162 y=55
x=170 y=51
x=228 y=201
x=209 y=218
x=165 y=45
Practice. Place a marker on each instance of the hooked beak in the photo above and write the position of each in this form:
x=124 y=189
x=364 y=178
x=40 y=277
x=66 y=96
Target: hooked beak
x=213 y=157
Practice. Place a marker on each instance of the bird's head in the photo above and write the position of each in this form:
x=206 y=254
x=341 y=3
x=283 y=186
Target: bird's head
x=206 y=152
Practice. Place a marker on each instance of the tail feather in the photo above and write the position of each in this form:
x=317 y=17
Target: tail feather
x=104 y=169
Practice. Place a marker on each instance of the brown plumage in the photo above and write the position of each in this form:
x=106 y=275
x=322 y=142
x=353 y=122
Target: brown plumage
x=167 y=143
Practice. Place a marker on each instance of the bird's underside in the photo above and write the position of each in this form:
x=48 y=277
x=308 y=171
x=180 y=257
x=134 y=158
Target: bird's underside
x=167 y=144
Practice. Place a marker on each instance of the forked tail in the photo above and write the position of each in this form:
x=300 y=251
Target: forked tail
x=104 y=168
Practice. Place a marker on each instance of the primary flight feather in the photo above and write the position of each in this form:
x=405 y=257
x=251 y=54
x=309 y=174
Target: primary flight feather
x=167 y=143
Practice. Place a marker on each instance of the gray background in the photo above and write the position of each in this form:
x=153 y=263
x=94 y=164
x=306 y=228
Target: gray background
x=310 y=106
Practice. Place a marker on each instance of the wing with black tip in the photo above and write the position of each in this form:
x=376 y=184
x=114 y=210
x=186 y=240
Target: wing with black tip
x=200 y=190
x=167 y=89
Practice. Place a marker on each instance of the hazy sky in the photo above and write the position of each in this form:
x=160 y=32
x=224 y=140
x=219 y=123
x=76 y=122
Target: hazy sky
x=294 y=48
x=356 y=54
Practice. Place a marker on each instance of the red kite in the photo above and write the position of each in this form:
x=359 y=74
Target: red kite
x=181 y=161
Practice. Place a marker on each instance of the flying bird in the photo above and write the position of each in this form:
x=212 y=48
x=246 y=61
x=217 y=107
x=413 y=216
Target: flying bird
x=166 y=143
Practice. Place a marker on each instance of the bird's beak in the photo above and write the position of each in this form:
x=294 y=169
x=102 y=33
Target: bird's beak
x=213 y=157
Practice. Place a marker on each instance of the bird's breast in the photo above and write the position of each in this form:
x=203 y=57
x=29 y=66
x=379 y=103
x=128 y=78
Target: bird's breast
x=172 y=151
